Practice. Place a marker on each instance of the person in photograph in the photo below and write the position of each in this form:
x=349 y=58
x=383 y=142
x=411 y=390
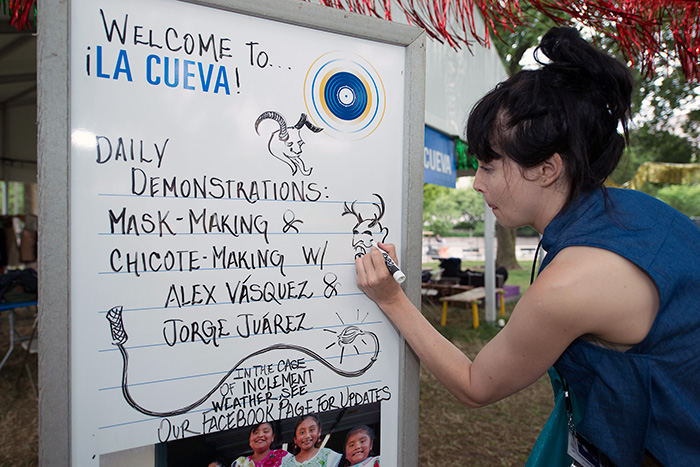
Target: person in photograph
x=307 y=442
x=614 y=309
x=261 y=438
x=358 y=447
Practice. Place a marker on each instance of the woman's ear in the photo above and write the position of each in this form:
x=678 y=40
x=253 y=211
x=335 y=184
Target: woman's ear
x=550 y=170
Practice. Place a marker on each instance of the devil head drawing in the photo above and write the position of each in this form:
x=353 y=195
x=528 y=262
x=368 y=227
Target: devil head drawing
x=285 y=142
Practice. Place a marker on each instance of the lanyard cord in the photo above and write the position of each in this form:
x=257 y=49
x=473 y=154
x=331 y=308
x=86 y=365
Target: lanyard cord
x=534 y=262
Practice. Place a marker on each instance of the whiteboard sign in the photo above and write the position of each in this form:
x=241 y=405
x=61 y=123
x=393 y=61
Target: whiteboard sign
x=225 y=170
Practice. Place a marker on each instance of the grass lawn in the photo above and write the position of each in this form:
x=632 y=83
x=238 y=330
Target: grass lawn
x=501 y=434
x=19 y=423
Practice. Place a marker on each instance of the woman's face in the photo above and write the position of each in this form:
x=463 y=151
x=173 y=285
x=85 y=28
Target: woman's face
x=307 y=434
x=261 y=438
x=358 y=447
x=509 y=192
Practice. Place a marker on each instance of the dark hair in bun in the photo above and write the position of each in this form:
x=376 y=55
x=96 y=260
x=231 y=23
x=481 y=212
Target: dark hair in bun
x=573 y=105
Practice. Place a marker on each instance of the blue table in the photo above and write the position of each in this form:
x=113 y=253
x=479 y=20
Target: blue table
x=14 y=335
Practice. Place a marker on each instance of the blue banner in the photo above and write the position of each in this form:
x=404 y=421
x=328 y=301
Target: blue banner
x=439 y=167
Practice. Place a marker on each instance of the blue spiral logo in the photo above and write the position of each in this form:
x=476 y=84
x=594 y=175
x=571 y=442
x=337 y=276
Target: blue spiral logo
x=345 y=95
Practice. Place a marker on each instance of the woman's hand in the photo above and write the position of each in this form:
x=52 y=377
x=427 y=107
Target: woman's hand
x=373 y=277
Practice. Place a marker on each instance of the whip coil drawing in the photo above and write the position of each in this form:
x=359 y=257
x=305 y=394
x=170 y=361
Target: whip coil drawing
x=119 y=337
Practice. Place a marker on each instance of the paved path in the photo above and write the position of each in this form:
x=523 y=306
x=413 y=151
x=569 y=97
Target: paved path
x=472 y=248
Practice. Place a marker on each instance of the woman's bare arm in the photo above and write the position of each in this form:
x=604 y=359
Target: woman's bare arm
x=554 y=311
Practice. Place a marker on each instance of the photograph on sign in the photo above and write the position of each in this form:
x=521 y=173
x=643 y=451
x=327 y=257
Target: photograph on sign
x=225 y=172
x=352 y=433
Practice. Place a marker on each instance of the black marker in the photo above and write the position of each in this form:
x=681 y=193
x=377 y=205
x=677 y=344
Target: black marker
x=399 y=276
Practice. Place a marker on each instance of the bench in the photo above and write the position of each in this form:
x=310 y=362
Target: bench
x=471 y=296
x=431 y=292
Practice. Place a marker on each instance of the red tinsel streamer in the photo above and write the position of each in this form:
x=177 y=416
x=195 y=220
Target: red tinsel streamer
x=363 y=7
x=637 y=25
x=19 y=12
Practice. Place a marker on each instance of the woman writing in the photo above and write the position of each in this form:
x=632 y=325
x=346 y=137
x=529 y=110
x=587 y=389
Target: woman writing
x=615 y=306
x=261 y=438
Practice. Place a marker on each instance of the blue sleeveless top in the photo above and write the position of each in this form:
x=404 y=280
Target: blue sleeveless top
x=649 y=396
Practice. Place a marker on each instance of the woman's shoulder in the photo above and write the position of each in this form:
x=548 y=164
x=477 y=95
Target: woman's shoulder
x=599 y=292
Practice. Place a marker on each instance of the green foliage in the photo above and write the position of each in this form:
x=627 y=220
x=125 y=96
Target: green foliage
x=666 y=133
x=685 y=198
x=651 y=145
x=665 y=95
x=464 y=160
x=444 y=208
x=15 y=197
x=663 y=130
x=691 y=127
x=660 y=145
x=464 y=229
x=513 y=45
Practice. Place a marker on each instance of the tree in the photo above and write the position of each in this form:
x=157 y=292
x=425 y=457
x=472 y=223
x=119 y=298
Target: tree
x=444 y=207
x=512 y=45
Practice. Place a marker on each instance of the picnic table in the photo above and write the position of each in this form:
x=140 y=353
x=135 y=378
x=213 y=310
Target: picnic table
x=470 y=296
x=433 y=291
x=442 y=289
